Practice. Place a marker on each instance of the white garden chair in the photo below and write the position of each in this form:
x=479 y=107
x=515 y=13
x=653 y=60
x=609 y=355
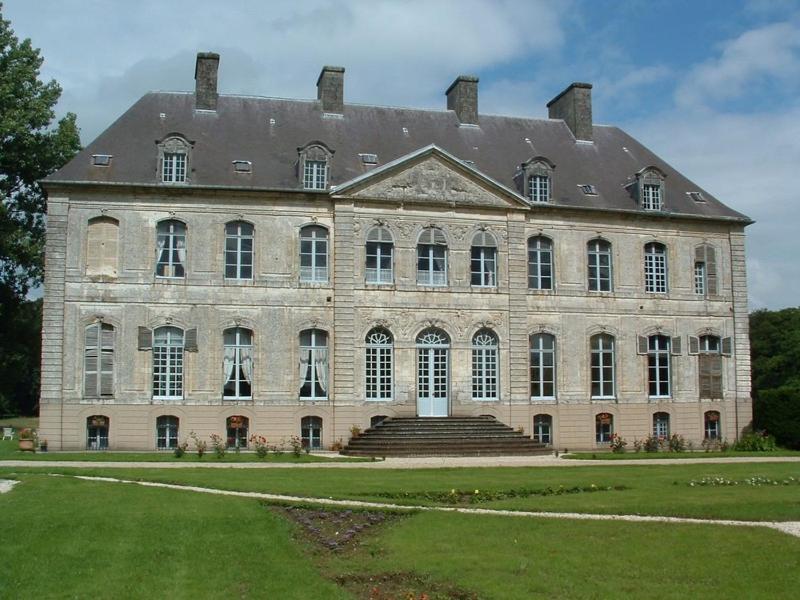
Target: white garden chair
x=8 y=433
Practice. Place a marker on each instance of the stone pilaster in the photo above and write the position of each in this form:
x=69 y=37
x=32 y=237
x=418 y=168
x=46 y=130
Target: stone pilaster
x=343 y=312
x=741 y=330
x=518 y=309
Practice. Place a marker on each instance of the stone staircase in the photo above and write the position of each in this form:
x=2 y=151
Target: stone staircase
x=443 y=436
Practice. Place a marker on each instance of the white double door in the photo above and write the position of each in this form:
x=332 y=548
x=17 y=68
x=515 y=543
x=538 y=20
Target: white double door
x=432 y=372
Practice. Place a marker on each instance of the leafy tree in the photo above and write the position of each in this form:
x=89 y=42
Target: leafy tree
x=775 y=356
x=30 y=148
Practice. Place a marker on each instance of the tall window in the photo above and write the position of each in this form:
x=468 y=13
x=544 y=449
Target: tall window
x=700 y=278
x=97 y=432
x=655 y=268
x=171 y=249
x=705 y=271
x=379 y=364
x=102 y=241
x=661 y=425
x=709 y=363
x=167 y=432
x=539 y=188
x=651 y=196
x=168 y=363
x=543 y=366
x=484 y=366
x=658 y=366
x=380 y=248
x=540 y=263
x=602 y=366
x=543 y=429
x=483 y=260
x=603 y=428
x=98 y=361
x=236 y=428
x=599 y=254
x=237 y=363
x=314 y=253
x=432 y=257
x=311 y=433
x=313 y=364
x=711 y=427
x=238 y=250
x=315 y=174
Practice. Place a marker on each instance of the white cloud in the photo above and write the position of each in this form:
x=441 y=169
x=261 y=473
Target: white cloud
x=769 y=52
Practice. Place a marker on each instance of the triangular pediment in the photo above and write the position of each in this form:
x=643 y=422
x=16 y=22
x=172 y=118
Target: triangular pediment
x=430 y=176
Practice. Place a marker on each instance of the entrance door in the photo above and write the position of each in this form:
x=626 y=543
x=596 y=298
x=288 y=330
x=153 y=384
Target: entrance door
x=433 y=353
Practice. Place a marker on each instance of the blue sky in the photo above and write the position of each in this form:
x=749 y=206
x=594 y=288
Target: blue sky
x=711 y=86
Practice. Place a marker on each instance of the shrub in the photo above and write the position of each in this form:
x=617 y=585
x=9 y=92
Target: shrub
x=260 y=444
x=355 y=431
x=676 y=443
x=617 y=443
x=218 y=443
x=337 y=445
x=777 y=411
x=296 y=445
x=200 y=446
x=652 y=444
x=756 y=442
x=180 y=449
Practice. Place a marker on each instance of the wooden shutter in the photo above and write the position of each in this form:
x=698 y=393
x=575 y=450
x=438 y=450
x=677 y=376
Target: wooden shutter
x=641 y=346
x=190 y=340
x=704 y=375
x=694 y=345
x=106 y=360
x=675 y=345
x=715 y=376
x=145 y=338
x=727 y=346
x=90 y=366
x=711 y=272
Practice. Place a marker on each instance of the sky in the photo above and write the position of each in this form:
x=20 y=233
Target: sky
x=712 y=86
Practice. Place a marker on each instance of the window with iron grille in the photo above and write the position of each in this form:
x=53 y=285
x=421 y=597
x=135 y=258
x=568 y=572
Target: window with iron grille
x=543 y=366
x=314 y=254
x=655 y=268
x=600 y=274
x=484 y=366
x=540 y=263
x=236 y=429
x=379 y=364
x=603 y=375
x=238 y=250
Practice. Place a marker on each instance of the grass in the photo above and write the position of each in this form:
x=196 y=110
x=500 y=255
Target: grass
x=649 y=489
x=676 y=455
x=106 y=540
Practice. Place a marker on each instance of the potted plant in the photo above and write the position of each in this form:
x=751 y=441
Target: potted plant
x=27 y=440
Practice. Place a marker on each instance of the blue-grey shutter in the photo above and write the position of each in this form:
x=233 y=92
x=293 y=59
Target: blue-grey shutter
x=727 y=346
x=190 y=340
x=145 y=338
x=694 y=345
x=675 y=346
x=641 y=346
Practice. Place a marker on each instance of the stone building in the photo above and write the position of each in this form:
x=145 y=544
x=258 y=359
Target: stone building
x=245 y=265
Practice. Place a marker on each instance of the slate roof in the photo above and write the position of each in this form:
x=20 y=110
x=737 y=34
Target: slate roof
x=268 y=132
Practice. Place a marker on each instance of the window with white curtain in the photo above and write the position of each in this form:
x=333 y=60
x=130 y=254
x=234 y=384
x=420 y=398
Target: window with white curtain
x=171 y=249
x=483 y=260
x=432 y=257
x=237 y=363
x=314 y=254
x=313 y=367
x=380 y=250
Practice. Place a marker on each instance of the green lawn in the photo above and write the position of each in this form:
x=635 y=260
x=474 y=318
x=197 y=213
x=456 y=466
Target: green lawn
x=648 y=489
x=676 y=455
x=107 y=540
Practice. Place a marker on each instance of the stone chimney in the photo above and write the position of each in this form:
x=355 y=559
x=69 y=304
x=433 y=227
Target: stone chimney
x=574 y=106
x=330 y=89
x=462 y=97
x=205 y=81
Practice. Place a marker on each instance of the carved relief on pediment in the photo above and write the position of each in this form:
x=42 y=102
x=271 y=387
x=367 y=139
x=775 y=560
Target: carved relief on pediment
x=433 y=181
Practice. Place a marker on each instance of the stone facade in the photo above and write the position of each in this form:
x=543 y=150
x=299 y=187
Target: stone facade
x=426 y=189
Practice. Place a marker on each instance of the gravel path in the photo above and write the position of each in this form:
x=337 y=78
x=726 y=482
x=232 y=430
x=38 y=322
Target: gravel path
x=401 y=463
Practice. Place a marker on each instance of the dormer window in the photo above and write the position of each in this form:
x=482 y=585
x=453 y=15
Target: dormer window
x=537 y=179
x=650 y=188
x=314 y=162
x=174 y=159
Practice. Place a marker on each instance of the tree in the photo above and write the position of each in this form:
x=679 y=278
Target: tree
x=30 y=148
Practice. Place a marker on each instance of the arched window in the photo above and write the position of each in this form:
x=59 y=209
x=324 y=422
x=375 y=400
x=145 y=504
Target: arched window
x=711 y=425
x=97 y=427
x=655 y=268
x=433 y=362
x=314 y=254
x=543 y=429
x=314 y=159
x=661 y=425
x=603 y=375
x=543 y=366
x=603 y=428
x=238 y=250
x=102 y=242
x=98 y=361
x=484 y=366
x=658 y=366
x=168 y=363
x=540 y=263
x=650 y=185
x=313 y=365
x=174 y=154
x=237 y=363
x=171 y=249
x=167 y=432
x=483 y=260
x=379 y=364
x=236 y=428
x=432 y=257
x=600 y=273
x=380 y=248
x=311 y=433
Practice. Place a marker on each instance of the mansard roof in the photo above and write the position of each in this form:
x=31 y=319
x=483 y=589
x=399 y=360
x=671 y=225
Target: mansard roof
x=269 y=131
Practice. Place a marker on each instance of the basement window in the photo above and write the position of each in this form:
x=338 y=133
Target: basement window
x=242 y=166
x=101 y=160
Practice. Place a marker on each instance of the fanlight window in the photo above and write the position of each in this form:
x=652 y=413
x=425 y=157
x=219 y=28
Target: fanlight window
x=380 y=249
x=484 y=366
x=379 y=359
